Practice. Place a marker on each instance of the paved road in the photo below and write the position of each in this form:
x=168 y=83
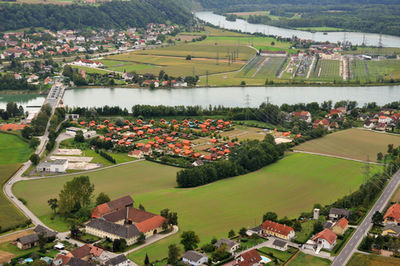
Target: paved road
x=366 y=224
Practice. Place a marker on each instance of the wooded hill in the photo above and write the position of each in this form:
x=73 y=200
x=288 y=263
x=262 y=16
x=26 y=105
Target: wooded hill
x=115 y=14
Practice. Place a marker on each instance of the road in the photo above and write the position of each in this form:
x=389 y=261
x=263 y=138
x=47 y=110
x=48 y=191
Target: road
x=366 y=224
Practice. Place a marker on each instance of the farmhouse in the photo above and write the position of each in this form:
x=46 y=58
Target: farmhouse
x=32 y=240
x=112 y=206
x=278 y=230
x=336 y=213
x=392 y=215
x=341 y=226
x=57 y=166
x=194 y=258
x=119 y=260
x=231 y=245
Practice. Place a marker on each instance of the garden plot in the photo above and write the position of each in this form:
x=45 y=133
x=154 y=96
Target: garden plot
x=68 y=152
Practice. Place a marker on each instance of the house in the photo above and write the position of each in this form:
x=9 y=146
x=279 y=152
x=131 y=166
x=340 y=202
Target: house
x=112 y=206
x=138 y=154
x=280 y=244
x=73 y=130
x=391 y=230
x=392 y=215
x=336 y=213
x=256 y=230
x=62 y=259
x=249 y=258
x=303 y=115
x=278 y=230
x=369 y=124
x=341 y=226
x=384 y=119
x=231 y=246
x=32 y=240
x=325 y=239
x=86 y=252
x=381 y=126
x=57 y=166
x=119 y=260
x=198 y=163
x=194 y=258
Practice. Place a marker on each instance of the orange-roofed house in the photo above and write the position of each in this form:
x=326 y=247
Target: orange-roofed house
x=392 y=215
x=213 y=140
x=340 y=227
x=186 y=142
x=177 y=151
x=325 y=239
x=249 y=258
x=277 y=230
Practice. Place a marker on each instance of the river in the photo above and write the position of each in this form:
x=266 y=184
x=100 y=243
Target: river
x=334 y=37
x=227 y=96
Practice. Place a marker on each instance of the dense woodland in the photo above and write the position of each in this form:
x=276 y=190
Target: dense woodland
x=115 y=14
x=358 y=15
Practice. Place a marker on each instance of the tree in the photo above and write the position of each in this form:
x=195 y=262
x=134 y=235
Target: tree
x=27 y=132
x=79 y=136
x=38 y=262
x=74 y=231
x=220 y=253
x=42 y=241
x=231 y=233
x=379 y=156
x=33 y=143
x=188 y=57
x=243 y=83
x=146 y=260
x=390 y=148
x=35 y=159
x=142 y=238
x=189 y=240
x=297 y=226
x=242 y=231
x=173 y=254
x=75 y=193
x=53 y=203
x=102 y=198
x=270 y=216
x=377 y=218
x=318 y=227
x=141 y=207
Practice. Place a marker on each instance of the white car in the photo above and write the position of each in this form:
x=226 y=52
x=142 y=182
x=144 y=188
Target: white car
x=9 y=183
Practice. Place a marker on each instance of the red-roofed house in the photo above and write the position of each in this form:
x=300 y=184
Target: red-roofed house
x=112 y=206
x=392 y=215
x=277 y=230
x=249 y=258
x=325 y=239
x=341 y=226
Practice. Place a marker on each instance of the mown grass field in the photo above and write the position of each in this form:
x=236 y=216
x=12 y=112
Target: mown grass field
x=372 y=260
x=383 y=69
x=13 y=151
x=327 y=70
x=288 y=187
x=359 y=70
x=352 y=143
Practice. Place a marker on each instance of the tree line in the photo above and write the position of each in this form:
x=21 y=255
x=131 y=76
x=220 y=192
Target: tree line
x=248 y=157
x=8 y=82
x=115 y=14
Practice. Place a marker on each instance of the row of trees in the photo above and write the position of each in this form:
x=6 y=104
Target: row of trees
x=118 y=14
x=8 y=82
x=248 y=157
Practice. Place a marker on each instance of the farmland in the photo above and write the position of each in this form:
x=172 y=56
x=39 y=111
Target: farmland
x=372 y=260
x=213 y=209
x=13 y=152
x=262 y=67
x=327 y=70
x=352 y=143
x=372 y=70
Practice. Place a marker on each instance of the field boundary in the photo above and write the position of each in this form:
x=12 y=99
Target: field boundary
x=337 y=157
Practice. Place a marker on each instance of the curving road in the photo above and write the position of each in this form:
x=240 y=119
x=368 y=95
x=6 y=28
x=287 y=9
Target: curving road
x=351 y=246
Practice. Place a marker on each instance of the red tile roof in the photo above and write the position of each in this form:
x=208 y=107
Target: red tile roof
x=326 y=234
x=342 y=223
x=249 y=258
x=277 y=227
x=393 y=213
x=151 y=224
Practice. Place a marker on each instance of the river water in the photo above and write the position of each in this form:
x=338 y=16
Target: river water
x=22 y=99
x=227 y=96
x=334 y=37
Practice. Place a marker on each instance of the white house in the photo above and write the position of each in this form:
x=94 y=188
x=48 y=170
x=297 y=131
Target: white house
x=119 y=260
x=325 y=239
x=231 y=245
x=194 y=258
x=73 y=130
x=384 y=119
x=57 y=166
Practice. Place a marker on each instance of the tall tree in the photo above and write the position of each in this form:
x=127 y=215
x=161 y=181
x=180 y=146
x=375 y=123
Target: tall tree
x=77 y=192
x=173 y=254
x=53 y=203
x=189 y=240
x=102 y=198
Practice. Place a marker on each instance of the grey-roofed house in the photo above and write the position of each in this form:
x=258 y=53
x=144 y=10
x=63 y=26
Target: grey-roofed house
x=194 y=258
x=256 y=230
x=336 y=213
x=30 y=241
x=328 y=225
x=119 y=260
x=103 y=229
x=391 y=230
x=231 y=245
x=280 y=244
x=57 y=166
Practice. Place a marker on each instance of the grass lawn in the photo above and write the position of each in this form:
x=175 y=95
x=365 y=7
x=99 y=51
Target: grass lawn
x=352 y=143
x=306 y=230
x=288 y=187
x=282 y=256
x=372 y=260
x=302 y=259
x=320 y=29
x=13 y=151
x=91 y=70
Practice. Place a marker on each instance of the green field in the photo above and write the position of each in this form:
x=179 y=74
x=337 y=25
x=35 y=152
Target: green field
x=302 y=259
x=262 y=67
x=123 y=66
x=326 y=29
x=359 y=70
x=13 y=151
x=372 y=260
x=352 y=143
x=327 y=70
x=288 y=187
